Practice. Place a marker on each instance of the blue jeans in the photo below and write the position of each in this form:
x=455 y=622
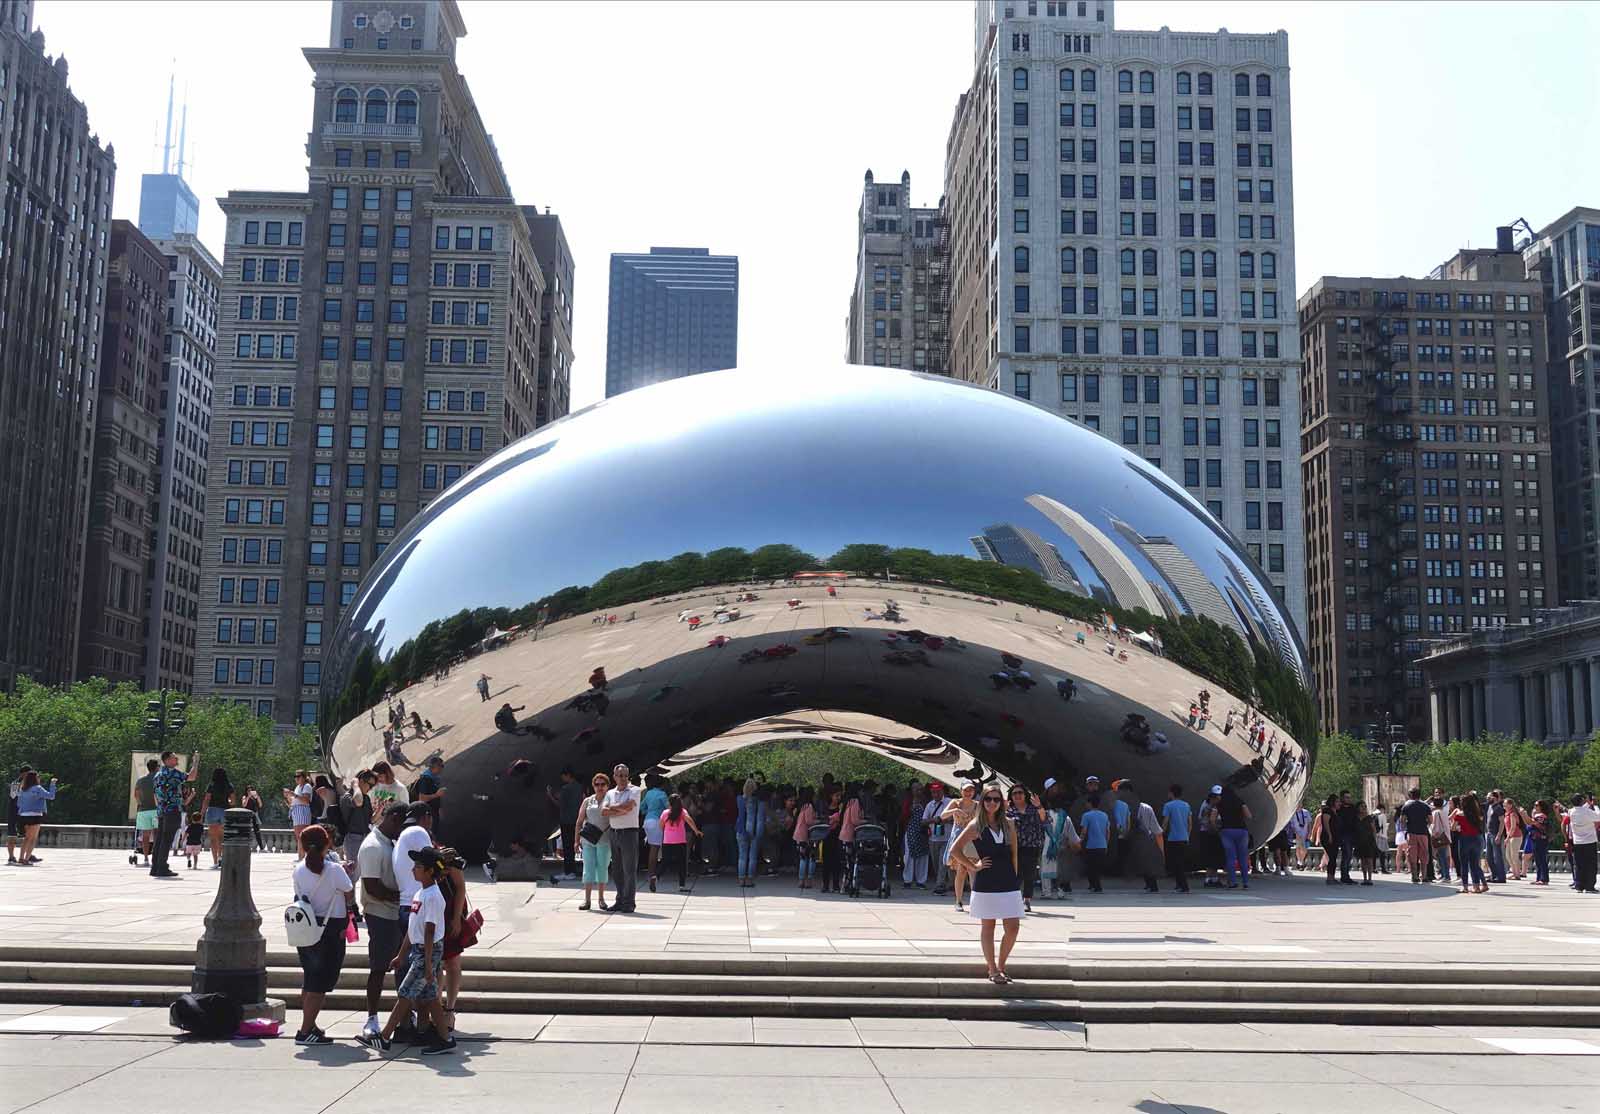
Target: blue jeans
x=749 y=852
x=808 y=864
x=1469 y=861
x=1497 y=859
x=1541 y=860
x=1236 y=851
x=1441 y=858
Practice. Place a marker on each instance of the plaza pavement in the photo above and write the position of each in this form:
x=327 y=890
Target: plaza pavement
x=689 y=1065
x=84 y=898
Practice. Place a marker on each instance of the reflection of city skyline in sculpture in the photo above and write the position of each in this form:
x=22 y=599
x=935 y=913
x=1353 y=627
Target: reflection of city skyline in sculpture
x=665 y=503
x=1190 y=587
x=1006 y=543
x=1124 y=584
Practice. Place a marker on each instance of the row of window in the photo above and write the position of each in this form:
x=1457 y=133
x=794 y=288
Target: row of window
x=1188 y=118
x=372 y=158
x=269 y=307
x=247 y=589
x=246 y=631
x=454 y=438
x=350 y=108
x=244 y=671
x=1147 y=261
x=1184 y=82
x=371 y=199
x=246 y=395
x=1195 y=389
x=354 y=514
x=265 y=346
x=1252 y=428
x=273 y=233
x=1146 y=342
x=270 y=270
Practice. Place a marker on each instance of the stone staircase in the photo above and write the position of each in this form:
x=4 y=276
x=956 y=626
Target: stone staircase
x=844 y=986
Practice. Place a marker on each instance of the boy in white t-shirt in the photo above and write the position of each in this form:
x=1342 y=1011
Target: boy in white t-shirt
x=424 y=962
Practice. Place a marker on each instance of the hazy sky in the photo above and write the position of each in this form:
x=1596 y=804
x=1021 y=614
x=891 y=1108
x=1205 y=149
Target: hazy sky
x=746 y=128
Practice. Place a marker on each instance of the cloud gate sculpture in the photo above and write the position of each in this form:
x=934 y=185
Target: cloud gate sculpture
x=960 y=580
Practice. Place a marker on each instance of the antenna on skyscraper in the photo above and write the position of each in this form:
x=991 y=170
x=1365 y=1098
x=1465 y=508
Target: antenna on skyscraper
x=166 y=146
x=183 y=130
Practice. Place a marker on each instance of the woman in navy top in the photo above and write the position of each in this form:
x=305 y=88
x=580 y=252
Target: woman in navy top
x=996 y=886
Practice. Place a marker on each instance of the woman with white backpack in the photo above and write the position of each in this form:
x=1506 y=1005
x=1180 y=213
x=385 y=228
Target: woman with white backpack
x=320 y=886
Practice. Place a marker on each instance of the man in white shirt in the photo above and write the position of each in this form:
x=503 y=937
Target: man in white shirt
x=1583 y=819
x=621 y=806
x=418 y=833
x=380 y=897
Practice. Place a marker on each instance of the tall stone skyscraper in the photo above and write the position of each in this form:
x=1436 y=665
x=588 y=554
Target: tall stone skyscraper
x=900 y=304
x=55 y=240
x=380 y=336
x=126 y=460
x=672 y=312
x=1121 y=213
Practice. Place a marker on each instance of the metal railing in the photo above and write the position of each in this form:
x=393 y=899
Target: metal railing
x=113 y=837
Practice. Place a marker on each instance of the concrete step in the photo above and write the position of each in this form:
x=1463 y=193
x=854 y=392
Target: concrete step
x=864 y=967
x=1311 y=1011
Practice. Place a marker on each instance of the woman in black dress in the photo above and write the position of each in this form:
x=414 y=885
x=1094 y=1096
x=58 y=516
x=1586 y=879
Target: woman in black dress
x=996 y=888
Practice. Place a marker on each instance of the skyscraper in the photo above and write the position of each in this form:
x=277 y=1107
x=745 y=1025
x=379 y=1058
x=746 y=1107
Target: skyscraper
x=672 y=312
x=1008 y=544
x=55 y=231
x=126 y=461
x=1124 y=585
x=1427 y=472
x=1122 y=249
x=380 y=336
x=555 y=316
x=178 y=504
x=900 y=304
x=1564 y=256
x=167 y=206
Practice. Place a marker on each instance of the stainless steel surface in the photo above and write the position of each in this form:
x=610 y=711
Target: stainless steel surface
x=663 y=501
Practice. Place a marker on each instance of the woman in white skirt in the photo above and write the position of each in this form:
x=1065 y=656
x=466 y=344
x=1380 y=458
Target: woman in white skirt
x=996 y=889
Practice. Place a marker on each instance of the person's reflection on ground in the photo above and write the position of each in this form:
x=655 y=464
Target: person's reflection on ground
x=506 y=719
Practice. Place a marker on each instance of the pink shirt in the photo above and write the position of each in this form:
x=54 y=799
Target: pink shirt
x=802 y=825
x=673 y=831
x=852 y=817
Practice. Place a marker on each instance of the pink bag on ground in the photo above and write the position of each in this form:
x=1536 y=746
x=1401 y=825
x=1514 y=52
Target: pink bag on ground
x=255 y=1027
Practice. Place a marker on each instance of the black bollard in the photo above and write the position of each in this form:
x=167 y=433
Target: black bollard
x=231 y=958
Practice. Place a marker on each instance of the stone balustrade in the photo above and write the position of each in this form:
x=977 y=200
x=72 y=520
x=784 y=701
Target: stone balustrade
x=114 y=837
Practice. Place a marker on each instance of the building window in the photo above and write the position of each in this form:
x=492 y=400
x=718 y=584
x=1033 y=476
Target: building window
x=405 y=107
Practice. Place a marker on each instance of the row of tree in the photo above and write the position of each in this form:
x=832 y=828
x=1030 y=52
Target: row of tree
x=85 y=734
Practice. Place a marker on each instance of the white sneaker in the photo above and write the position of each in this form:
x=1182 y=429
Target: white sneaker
x=372 y=1026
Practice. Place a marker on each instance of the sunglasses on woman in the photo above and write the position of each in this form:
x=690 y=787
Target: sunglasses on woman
x=994 y=800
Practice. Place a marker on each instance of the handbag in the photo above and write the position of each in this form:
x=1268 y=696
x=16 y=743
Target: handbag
x=300 y=923
x=591 y=833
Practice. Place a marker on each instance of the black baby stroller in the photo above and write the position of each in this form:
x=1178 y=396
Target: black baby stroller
x=869 y=860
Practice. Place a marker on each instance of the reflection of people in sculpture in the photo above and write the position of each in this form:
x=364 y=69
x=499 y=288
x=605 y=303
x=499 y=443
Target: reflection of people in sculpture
x=597 y=679
x=1067 y=688
x=506 y=719
x=958 y=814
x=483 y=687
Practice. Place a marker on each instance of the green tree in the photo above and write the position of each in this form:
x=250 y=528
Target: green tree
x=1341 y=760
x=800 y=762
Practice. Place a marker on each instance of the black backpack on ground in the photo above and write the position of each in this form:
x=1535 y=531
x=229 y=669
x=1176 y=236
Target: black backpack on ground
x=207 y=1016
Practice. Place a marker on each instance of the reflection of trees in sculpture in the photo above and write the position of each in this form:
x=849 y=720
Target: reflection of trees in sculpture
x=1216 y=653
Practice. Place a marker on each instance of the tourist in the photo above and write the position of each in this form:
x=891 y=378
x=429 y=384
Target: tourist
x=1096 y=827
x=1439 y=836
x=750 y=823
x=1582 y=819
x=569 y=802
x=252 y=801
x=1026 y=813
x=387 y=790
x=1494 y=834
x=430 y=786
x=194 y=833
x=299 y=801
x=621 y=807
x=1325 y=834
x=32 y=805
x=172 y=794
x=996 y=891
x=590 y=831
x=355 y=816
x=145 y=815
x=1367 y=846
x=805 y=816
x=652 y=805
x=832 y=848
x=1514 y=824
x=1347 y=822
x=959 y=813
x=483 y=687
x=1233 y=828
x=914 y=844
x=214 y=805
x=13 y=820
x=1539 y=837
x=1175 y=823
x=676 y=823
x=423 y=962
x=938 y=836
x=1416 y=816
x=1207 y=847
x=1402 y=843
x=460 y=929
x=1467 y=822
x=1380 y=823
x=322 y=884
x=380 y=897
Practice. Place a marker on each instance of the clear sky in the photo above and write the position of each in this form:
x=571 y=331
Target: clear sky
x=746 y=128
